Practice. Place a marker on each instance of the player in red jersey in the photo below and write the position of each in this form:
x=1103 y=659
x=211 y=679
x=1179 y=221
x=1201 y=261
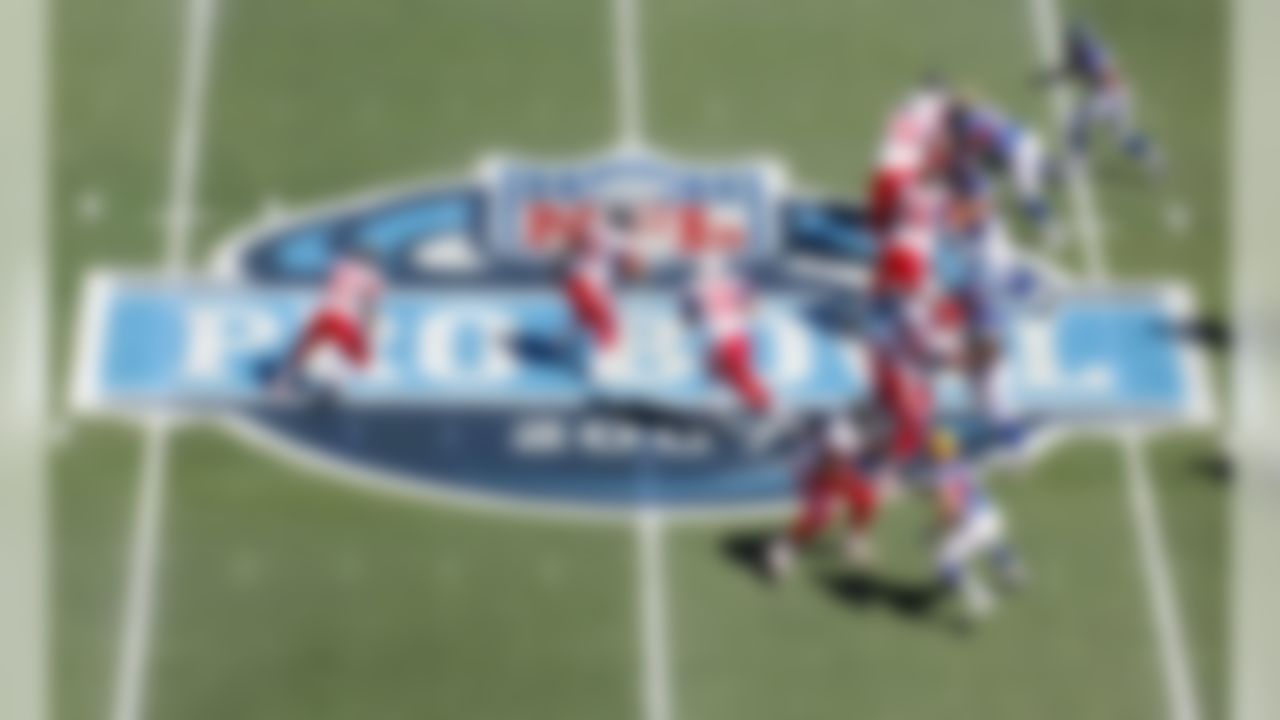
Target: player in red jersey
x=831 y=475
x=913 y=148
x=909 y=341
x=905 y=329
x=341 y=323
x=594 y=256
x=720 y=305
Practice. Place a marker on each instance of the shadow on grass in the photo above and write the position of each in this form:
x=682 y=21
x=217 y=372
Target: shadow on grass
x=1216 y=467
x=921 y=601
x=913 y=600
x=1209 y=332
x=747 y=551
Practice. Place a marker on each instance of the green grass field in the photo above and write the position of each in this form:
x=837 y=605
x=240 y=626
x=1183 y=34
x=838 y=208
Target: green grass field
x=281 y=595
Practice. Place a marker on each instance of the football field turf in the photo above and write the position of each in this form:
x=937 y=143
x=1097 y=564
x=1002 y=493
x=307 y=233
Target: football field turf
x=281 y=594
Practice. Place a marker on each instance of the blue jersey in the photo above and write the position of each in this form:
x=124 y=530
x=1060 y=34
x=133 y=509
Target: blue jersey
x=989 y=133
x=959 y=481
x=1088 y=60
x=971 y=202
x=967 y=264
x=902 y=330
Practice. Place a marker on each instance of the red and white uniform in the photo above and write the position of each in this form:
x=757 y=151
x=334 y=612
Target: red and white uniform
x=905 y=352
x=912 y=147
x=907 y=211
x=721 y=306
x=341 y=319
x=588 y=285
x=830 y=476
x=904 y=265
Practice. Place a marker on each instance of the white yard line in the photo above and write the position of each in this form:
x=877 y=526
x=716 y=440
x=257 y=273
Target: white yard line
x=144 y=559
x=1179 y=683
x=654 y=627
x=129 y=702
x=628 y=73
x=184 y=177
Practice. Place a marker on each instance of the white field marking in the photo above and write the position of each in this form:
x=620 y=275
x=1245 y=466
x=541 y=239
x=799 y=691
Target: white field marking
x=273 y=209
x=1180 y=686
x=1201 y=409
x=1175 y=665
x=86 y=395
x=184 y=178
x=144 y=560
x=129 y=702
x=1162 y=595
x=628 y=74
x=654 y=628
x=60 y=430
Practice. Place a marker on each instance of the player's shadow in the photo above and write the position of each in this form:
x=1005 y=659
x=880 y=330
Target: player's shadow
x=652 y=414
x=747 y=551
x=548 y=350
x=1210 y=333
x=836 y=314
x=913 y=600
x=1217 y=467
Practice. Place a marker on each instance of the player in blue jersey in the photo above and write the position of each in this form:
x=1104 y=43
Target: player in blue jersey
x=970 y=529
x=979 y=272
x=983 y=136
x=1104 y=99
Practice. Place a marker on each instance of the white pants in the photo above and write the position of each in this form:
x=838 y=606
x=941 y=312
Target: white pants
x=981 y=531
x=1111 y=108
x=1028 y=167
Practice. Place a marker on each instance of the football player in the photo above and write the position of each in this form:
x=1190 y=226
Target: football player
x=970 y=528
x=594 y=254
x=336 y=338
x=910 y=335
x=976 y=269
x=832 y=473
x=720 y=304
x=983 y=280
x=983 y=136
x=912 y=148
x=1104 y=100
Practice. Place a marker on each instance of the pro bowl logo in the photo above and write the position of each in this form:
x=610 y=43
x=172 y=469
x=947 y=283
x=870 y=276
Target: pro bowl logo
x=473 y=391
